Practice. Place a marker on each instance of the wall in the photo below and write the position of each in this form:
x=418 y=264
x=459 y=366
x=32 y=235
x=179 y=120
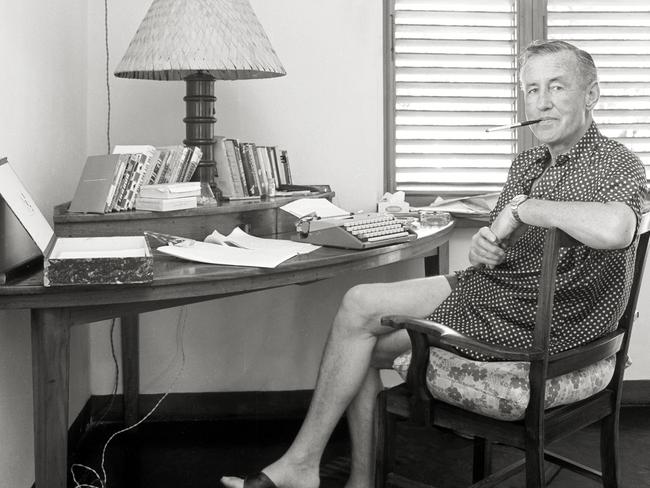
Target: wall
x=43 y=133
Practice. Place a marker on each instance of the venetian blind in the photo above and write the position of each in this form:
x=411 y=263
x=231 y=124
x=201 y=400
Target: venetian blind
x=617 y=35
x=454 y=75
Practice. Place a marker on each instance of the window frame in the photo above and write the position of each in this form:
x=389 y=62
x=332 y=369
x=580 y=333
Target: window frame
x=531 y=24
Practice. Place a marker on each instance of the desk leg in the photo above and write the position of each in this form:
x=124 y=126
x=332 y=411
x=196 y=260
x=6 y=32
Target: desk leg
x=437 y=264
x=130 y=332
x=50 y=375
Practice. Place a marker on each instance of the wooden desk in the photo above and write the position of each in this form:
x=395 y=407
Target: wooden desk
x=55 y=310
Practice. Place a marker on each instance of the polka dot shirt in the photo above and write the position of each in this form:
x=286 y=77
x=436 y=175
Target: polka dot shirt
x=498 y=305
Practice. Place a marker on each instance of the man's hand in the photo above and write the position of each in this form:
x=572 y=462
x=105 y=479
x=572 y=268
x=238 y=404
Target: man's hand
x=485 y=248
x=505 y=224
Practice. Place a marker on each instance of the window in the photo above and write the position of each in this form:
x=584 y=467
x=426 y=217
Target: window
x=451 y=71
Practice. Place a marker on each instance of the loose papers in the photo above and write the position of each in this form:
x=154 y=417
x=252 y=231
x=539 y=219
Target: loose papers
x=237 y=249
x=473 y=206
x=316 y=207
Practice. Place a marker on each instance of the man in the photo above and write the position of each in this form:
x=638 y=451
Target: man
x=577 y=180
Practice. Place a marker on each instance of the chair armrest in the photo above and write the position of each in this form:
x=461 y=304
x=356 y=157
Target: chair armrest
x=582 y=356
x=441 y=335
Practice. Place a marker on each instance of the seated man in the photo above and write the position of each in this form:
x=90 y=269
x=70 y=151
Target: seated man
x=577 y=180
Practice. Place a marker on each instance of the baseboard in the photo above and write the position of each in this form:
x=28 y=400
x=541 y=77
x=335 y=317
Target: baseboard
x=636 y=393
x=208 y=406
x=246 y=404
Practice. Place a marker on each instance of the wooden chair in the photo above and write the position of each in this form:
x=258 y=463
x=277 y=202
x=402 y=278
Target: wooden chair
x=412 y=400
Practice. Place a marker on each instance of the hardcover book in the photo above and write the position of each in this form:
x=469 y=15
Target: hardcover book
x=96 y=182
x=250 y=170
x=225 y=178
x=233 y=151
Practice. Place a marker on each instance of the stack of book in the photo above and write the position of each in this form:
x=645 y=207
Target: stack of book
x=111 y=183
x=168 y=196
x=246 y=170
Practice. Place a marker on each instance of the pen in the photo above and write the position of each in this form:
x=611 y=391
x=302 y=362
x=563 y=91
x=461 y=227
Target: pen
x=513 y=126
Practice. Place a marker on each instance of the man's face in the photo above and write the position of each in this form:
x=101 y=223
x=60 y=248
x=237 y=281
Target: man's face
x=555 y=92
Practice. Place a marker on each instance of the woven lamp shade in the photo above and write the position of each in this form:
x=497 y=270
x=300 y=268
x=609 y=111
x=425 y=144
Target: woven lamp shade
x=178 y=38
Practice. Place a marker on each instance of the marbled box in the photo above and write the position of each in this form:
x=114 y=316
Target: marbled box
x=77 y=260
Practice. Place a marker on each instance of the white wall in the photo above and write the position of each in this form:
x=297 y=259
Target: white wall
x=43 y=133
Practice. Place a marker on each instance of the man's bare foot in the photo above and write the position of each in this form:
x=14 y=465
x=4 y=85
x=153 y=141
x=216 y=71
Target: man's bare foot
x=284 y=475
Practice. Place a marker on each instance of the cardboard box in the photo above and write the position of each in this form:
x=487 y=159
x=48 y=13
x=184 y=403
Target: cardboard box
x=76 y=260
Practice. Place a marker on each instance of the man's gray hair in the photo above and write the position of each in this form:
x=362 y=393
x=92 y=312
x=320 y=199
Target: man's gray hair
x=586 y=65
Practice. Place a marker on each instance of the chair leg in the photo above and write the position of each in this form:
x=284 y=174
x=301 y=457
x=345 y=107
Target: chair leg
x=535 y=476
x=609 y=450
x=385 y=439
x=482 y=459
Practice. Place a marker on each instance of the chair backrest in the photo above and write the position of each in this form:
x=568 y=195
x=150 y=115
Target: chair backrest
x=616 y=342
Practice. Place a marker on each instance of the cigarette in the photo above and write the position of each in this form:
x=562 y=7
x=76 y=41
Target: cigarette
x=513 y=126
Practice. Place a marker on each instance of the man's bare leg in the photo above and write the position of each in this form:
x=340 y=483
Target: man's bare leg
x=344 y=371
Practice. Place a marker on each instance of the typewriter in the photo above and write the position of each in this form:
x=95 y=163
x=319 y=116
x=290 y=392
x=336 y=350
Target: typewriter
x=357 y=231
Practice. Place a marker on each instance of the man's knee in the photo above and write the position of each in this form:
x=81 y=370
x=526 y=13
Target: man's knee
x=359 y=306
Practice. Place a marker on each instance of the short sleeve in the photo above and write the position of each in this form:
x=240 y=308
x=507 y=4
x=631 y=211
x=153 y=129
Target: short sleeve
x=625 y=181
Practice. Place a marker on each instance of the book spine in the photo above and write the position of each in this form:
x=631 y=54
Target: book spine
x=183 y=155
x=265 y=178
x=154 y=168
x=164 y=166
x=137 y=174
x=248 y=160
x=195 y=158
x=224 y=179
x=126 y=178
x=145 y=163
x=117 y=178
x=284 y=159
x=234 y=169
x=273 y=161
x=240 y=165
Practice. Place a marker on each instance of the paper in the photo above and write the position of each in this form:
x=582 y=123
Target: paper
x=479 y=205
x=318 y=207
x=205 y=252
x=236 y=249
x=239 y=238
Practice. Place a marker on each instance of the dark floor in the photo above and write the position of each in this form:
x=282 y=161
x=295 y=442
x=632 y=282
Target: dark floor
x=197 y=454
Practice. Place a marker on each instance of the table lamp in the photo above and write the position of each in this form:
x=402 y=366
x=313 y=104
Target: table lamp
x=200 y=41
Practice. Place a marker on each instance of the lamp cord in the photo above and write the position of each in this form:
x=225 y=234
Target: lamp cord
x=108 y=86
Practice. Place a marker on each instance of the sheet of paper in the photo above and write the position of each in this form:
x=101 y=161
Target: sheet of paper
x=205 y=252
x=319 y=207
x=474 y=205
x=239 y=238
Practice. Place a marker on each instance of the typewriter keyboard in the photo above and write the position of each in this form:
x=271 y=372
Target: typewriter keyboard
x=376 y=229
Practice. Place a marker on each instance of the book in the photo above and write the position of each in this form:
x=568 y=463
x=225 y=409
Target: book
x=137 y=180
x=171 y=190
x=273 y=160
x=165 y=204
x=248 y=161
x=267 y=173
x=233 y=151
x=285 y=169
x=117 y=179
x=194 y=161
x=184 y=154
x=235 y=173
x=97 y=178
x=224 y=179
x=119 y=197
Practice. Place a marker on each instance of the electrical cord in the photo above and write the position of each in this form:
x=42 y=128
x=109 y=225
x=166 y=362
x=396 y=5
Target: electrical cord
x=103 y=478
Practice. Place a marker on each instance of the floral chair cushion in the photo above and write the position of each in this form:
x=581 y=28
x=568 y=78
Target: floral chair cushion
x=500 y=389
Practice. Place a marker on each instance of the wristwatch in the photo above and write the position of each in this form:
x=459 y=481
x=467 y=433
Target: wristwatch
x=514 y=206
